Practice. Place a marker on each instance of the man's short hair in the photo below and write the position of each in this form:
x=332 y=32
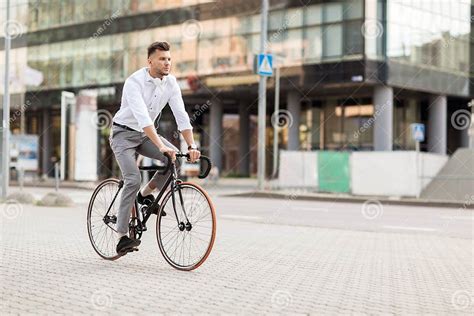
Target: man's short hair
x=164 y=46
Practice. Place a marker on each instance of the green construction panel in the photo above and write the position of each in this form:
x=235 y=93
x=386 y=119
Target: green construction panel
x=333 y=171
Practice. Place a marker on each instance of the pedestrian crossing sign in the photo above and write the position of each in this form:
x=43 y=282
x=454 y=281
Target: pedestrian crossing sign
x=418 y=132
x=265 y=65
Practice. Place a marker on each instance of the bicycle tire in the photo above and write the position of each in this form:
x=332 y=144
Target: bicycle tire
x=167 y=200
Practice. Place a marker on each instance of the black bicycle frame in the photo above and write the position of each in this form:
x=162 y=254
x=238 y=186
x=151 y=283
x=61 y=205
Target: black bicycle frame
x=170 y=180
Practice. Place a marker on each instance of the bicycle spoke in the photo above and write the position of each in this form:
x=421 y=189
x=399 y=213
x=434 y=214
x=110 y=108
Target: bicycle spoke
x=167 y=235
x=203 y=240
x=174 y=237
x=175 y=242
x=190 y=245
x=170 y=236
x=100 y=237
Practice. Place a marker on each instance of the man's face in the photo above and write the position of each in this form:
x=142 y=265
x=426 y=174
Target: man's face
x=160 y=62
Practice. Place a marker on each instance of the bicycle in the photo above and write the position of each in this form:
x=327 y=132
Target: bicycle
x=185 y=215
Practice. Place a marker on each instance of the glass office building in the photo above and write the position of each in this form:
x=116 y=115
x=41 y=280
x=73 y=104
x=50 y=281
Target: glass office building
x=354 y=74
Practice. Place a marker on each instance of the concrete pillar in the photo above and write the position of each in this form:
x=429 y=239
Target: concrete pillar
x=294 y=109
x=437 y=124
x=464 y=138
x=470 y=134
x=464 y=133
x=244 y=142
x=46 y=142
x=383 y=118
x=215 y=126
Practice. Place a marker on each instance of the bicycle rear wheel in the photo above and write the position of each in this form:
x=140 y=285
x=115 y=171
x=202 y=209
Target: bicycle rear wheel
x=186 y=243
x=101 y=228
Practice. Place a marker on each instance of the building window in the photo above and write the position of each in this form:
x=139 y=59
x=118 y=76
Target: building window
x=313 y=15
x=348 y=124
x=332 y=41
x=332 y=12
x=353 y=40
x=313 y=44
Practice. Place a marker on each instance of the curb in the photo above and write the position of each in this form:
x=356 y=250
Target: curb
x=352 y=199
x=52 y=185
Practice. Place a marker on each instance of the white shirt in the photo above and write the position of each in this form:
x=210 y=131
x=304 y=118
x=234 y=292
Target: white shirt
x=144 y=97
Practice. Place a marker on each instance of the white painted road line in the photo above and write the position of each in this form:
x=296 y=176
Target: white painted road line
x=314 y=209
x=458 y=217
x=424 y=229
x=241 y=217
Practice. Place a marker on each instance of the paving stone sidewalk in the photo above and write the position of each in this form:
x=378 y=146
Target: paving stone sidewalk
x=48 y=266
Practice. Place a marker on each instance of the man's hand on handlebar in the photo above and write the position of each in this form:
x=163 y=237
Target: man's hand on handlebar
x=194 y=155
x=169 y=151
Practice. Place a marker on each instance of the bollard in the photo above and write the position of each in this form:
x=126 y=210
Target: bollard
x=21 y=177
x=56 y=175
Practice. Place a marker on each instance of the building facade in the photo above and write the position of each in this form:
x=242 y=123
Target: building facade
x=354 y=74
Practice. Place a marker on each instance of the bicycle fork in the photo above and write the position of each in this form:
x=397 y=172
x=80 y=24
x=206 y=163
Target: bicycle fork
x=175 y=187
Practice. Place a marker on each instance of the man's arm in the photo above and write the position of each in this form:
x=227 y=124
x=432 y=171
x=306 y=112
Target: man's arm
x=188 y=136
x=153 y=136
x=182 y=120
x=194 y=154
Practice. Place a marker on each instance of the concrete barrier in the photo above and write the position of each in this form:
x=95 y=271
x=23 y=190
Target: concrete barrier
x=402 y=173
x=298 y=169
x=396 y=173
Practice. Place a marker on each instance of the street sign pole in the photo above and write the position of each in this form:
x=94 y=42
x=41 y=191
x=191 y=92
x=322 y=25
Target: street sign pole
x=5 y=157
x=67 y=99
x=418 y=171
x=275 y=124
x=262 y=87
x=418 y=135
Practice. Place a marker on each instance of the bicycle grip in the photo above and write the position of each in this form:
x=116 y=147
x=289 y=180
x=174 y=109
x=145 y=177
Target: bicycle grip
x=208 y=167
x=204 y=174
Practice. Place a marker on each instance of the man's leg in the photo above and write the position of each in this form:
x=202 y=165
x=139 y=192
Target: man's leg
x=132 y=179
x=148 y=149
x=124 y=143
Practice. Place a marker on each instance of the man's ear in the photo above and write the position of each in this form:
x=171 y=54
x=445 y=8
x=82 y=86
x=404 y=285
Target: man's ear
x=149 y=61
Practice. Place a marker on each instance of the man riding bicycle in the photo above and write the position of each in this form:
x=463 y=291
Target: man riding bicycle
x=145 y=93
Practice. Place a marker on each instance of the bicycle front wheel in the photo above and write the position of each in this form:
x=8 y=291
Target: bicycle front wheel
x=187 y=233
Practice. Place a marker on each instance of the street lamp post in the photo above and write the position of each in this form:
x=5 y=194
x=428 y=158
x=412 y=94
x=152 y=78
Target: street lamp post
x=5 y=157
x=67 y=101
x=275 y=124
x=276 y=128
x=262 y=102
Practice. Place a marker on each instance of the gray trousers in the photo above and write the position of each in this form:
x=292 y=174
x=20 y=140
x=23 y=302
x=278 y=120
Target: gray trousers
x=125 y=144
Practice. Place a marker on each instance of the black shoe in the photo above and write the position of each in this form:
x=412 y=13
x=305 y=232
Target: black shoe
x=145 y=200
x=126 y=244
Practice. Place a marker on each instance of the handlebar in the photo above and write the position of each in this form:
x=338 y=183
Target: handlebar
x=204 y=174
x=165 y=169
